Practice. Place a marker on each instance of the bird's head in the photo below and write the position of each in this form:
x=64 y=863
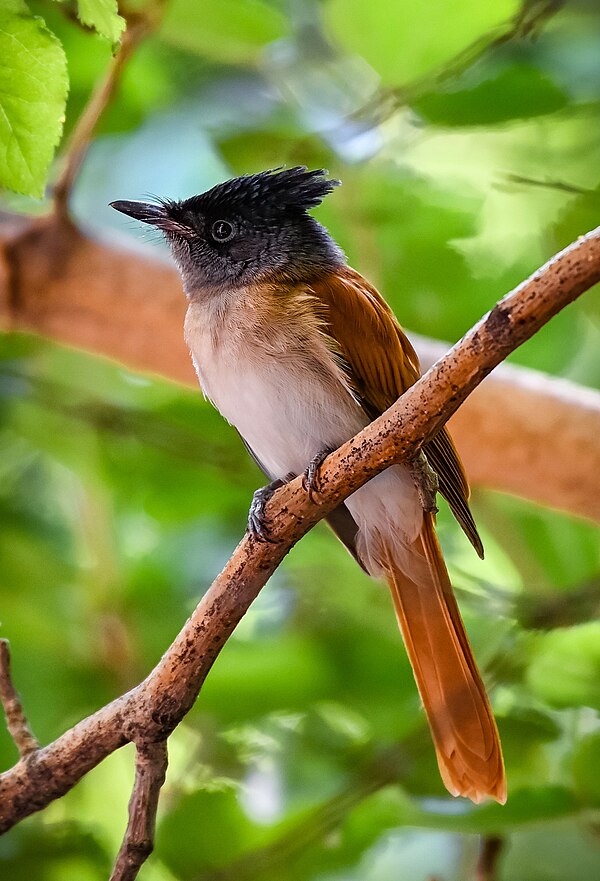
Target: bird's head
x=249 y=229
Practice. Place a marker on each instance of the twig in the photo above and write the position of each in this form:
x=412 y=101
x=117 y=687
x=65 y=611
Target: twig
x=16 y=721
x=138 y=843
x=138 y=28
x=549 y=610
x=312 y=827
x=155 y=707
x=560 y=185
x=526 y=24
x=489 y=854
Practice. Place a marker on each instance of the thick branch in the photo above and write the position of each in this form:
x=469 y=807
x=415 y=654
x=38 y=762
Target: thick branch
x=153 y=709
x=518 y=433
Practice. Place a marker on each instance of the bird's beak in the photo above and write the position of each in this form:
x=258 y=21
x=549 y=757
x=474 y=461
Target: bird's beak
x=155 y=215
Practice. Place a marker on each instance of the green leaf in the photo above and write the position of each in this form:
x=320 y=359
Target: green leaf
x=565 y=667
x=33 y=95
x=518 y=92
x=384 y=32
x=586 y=768
x=103 y=16
x=229 y=31
x=206 y=829
x=561 y=850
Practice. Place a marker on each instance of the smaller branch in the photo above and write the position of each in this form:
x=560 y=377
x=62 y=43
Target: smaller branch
x=548 y=610
x=313 y=826
x=137 y=29
x=526 y=24
x=150 y=771
x=16 y=721
x=560 y=185
x=489 y=854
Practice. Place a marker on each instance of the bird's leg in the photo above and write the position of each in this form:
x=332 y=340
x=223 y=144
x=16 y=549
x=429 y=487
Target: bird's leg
x=310 y=478
x=426 y=481
x=257 y=527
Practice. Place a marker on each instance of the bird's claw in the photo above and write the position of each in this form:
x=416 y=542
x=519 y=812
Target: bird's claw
x=311 y=477
x=426 y=481
x=257 y=526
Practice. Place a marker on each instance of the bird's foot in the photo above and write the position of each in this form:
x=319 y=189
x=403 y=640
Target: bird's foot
x=257 y=527
x=311 y=478
x=426 y=481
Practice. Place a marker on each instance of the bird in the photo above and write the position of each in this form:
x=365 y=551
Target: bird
x=299 y=352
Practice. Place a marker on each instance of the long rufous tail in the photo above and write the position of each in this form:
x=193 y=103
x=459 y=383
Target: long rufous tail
x=455 y=700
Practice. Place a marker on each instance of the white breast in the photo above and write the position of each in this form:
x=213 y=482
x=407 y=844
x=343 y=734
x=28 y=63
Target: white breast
x=280 y=386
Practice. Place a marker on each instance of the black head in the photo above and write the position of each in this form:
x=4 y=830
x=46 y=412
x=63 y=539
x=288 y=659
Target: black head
x=251 y=228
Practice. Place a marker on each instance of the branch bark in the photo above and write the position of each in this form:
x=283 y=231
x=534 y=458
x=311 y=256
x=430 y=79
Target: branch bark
x=16 y=721
x=138 y=843
x=153 y=709
x=521 y=432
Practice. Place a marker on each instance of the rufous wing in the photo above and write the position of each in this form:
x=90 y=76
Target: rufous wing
x=382 y=364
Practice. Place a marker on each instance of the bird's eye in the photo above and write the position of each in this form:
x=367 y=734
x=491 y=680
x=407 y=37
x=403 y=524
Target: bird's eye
x=222 y=231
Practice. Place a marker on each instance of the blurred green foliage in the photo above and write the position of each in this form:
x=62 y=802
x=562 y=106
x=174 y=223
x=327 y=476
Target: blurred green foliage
x=468 y=144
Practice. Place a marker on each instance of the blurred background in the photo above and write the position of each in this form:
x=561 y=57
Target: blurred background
x=467 y=136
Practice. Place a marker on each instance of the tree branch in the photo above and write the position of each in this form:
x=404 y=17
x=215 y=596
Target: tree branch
x=517 y=429
x=529 y=20
x=138 y=27
x=16 y=721
x=489 y=854
x=138 y=843
x=154 y=708
x=313 y=826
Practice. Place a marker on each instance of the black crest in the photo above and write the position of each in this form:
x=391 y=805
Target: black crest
x=269 y=193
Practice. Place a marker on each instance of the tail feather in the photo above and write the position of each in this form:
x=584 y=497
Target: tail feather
x=458 y=710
